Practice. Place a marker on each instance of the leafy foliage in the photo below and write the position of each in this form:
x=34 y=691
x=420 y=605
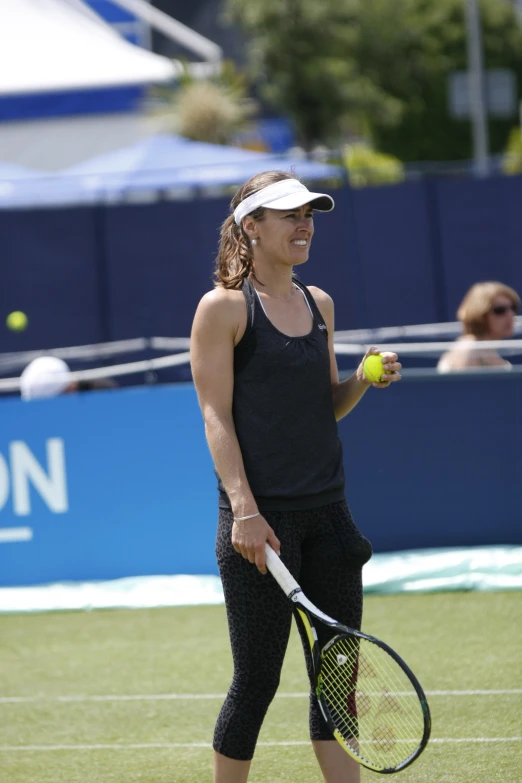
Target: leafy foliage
x=366 y=166
x=299 y=57
x=378 y=67
x=210 y=110
x=512 y=163
x=410 y=47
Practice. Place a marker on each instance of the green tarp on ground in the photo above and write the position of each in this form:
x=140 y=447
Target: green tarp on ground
x=417 y=571
x=442 y=570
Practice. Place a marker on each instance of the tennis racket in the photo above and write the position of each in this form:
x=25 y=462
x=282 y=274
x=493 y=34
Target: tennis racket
x=370 y=699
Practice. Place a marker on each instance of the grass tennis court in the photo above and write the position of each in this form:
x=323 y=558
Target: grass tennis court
x=132 y=695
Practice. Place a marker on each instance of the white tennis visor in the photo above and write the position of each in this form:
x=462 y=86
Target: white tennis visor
x=284 y=195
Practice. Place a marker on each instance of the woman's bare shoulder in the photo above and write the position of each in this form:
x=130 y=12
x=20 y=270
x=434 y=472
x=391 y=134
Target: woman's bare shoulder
x=221 y=300
x=222 y=310
x=467 y=353
x=219 y=295
x=322 y=299
x=459 y=356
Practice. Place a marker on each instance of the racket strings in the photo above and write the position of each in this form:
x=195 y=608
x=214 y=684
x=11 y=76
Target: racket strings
x=384 y=734
x=382 y=703
x=371 y=701
x=388 y=701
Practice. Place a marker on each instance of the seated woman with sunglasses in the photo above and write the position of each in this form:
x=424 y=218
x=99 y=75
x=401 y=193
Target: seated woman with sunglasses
x=487 y=312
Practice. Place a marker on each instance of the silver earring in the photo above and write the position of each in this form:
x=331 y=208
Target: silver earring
x=254 y=241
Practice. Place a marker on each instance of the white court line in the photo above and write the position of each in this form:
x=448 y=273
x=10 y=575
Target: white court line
x=499 y=692
x=290 y=743
x=10 y=534
x=213 y=696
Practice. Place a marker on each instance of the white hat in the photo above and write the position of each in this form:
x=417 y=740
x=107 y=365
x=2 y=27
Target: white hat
x=285 y=194
x=46 y=376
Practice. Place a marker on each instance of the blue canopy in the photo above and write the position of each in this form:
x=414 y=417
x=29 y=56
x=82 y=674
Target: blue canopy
x=24 y=187
x=12 y=171
x=158 y=163
x=165 y=162
x=14 y=180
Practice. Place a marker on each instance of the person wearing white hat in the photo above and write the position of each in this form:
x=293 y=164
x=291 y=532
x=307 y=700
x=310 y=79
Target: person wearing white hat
x=265 y=372
x=46 y=376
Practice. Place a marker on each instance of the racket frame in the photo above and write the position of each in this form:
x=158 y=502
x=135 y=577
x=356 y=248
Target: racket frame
x=305 y=610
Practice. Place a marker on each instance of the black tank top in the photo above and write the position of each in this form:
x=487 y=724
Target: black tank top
x=283 y=413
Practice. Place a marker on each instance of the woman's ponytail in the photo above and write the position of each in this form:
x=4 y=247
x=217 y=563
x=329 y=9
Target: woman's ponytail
x=235 y=259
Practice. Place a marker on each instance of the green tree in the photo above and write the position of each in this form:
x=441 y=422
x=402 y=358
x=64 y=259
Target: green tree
x=299 y=57
x=409 y=47
x=368 y=167
x=512 y=163
x=377 y=66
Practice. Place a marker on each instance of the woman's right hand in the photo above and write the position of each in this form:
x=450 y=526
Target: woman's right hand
x=249 y=538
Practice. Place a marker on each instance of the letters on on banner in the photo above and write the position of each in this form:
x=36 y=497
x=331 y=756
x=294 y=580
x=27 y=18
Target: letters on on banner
x=19 y=470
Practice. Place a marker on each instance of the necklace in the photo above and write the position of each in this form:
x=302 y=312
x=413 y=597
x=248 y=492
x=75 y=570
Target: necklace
x=281 y=298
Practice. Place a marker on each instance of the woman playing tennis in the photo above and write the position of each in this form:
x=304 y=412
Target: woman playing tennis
x=265 y=371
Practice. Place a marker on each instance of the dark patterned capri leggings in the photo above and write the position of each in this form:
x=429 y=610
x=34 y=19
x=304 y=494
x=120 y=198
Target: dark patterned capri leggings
x=325 y=552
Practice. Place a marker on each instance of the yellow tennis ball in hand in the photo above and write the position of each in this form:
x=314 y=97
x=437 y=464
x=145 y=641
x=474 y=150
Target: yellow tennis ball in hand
x=17 y=321
x=373 y=368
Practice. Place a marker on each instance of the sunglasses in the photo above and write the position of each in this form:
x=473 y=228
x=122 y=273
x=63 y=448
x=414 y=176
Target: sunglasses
x=502 y=309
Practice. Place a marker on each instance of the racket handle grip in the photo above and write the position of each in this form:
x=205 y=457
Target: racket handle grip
x=279 y=571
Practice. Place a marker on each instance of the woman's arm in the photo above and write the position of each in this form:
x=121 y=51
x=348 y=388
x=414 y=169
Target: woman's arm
x=218 y=320
x=346 y=394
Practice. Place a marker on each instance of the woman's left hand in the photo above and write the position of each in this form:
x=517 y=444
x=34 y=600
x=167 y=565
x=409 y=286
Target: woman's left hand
x=391 y=366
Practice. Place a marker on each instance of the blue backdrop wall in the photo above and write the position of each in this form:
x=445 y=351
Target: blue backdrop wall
x=109 y=484
x=390 y=255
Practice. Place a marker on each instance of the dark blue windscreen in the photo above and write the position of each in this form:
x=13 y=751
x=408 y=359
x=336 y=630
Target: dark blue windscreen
x=396 y=255
x=481 y=234
x=160 y=263
x=388 y=256
x=50 y=270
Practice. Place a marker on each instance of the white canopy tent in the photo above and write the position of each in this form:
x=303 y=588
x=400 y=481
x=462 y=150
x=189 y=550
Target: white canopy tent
x=58 y=45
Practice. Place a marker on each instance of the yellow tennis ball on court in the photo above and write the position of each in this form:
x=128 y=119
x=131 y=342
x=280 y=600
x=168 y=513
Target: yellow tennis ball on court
x=373 y=368
x=17 y=321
